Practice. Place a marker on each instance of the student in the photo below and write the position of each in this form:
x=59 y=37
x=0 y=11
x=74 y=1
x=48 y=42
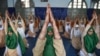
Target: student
x=98 y=33
x=2 y=37
x=31 y=28
x=81 y=25
x=20 y=27
x=2 y=34
x=49 y=42
x=13 y=18
x=76 y=36
x=89 y=39
x=60 y=28
x=67 y=27
x=36 y=25
x=14 y=43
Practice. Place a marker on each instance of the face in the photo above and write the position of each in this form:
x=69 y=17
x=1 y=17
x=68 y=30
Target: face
x=76 y=28
x=10 y=33
x=0 y=26
x=90 y=32
x=13 y=20
x=31 y=21
x=82 y=23
x=67 y=23
x=19 y=25
x=50 y=33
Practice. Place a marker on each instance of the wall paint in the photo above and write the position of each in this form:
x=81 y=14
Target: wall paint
x=53 y=3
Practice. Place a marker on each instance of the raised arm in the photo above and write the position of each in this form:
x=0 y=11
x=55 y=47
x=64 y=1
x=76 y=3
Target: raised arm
x=85 y=32
x=43 y=31
x=5 y=25
x=23 y=23
x=55 y=29
x=60 y=51
x=13 y=17
x=39 y=47
x=97 y=26
x=1 y=20
x=28 y=19
x=16 y=21
x=67 y=20
x=11 y=24
x=88 y=26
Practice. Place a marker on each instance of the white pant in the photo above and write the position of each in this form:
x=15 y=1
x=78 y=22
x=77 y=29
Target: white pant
x=90 y=54
x=81 y=53
x=18 y=50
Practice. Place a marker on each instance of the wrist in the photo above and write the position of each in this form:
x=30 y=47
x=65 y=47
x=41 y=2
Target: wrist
x=42 y=38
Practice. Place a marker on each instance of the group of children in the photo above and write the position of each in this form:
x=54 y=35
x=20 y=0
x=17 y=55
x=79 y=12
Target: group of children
x=83 y=35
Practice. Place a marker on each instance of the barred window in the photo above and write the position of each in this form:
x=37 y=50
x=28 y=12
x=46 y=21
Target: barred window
x=77 y=4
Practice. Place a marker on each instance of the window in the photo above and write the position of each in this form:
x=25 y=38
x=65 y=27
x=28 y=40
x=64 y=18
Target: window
x=28 y=7
x=77 y=4
x=70 y=5
x=25 y=3
x=44 y=0
x=97 y=5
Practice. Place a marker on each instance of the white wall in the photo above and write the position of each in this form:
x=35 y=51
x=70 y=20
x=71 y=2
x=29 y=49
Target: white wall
x=88 y=2
x=11 y=3
x=53 y=3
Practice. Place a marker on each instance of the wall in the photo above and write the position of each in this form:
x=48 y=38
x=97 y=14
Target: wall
x=58 y=4
x=53 y=3
x=11 y=3
x=3 y=7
